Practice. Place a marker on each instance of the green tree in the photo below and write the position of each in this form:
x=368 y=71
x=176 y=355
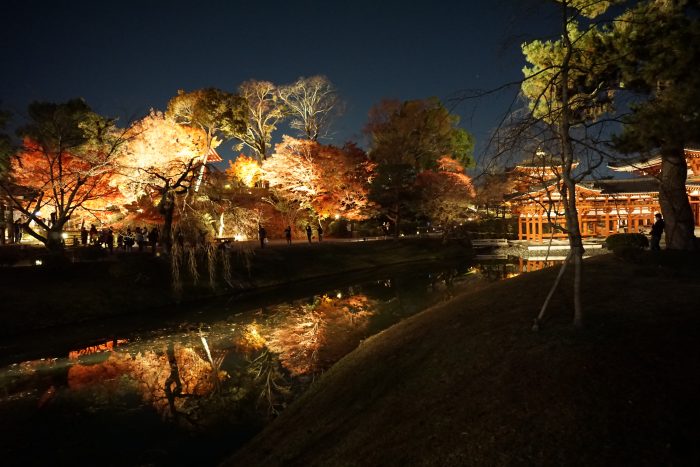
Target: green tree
x=220 y=114
x=417 y=132
x=657 y=45
x=392 y=190
x=565 y=100
x=407 y=138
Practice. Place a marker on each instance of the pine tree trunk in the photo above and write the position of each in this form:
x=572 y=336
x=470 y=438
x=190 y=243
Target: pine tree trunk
x=675 y=207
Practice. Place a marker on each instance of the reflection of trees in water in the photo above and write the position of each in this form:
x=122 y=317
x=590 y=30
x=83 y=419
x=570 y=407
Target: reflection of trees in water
x=274 y=389
x=310 y=338
x=239 y=370
x=167 y=379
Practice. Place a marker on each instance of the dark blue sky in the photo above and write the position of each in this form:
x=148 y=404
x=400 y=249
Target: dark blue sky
x=126 y=57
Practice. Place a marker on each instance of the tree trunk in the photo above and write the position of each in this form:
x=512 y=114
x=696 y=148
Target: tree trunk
x=4 y=223
x=397 y=227
x=167 y=208
x=673 y=198
x=569 y=189
x=54 y=239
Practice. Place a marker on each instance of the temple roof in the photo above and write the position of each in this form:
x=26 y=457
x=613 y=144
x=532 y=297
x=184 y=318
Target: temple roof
x=645 y=162
x=631 y=185
x=213 y=156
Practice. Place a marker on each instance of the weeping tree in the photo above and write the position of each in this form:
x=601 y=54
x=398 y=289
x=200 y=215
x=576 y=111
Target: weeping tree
x=161 y=160
x=565 y=101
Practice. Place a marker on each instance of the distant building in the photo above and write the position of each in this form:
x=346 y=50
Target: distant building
x=605 y=206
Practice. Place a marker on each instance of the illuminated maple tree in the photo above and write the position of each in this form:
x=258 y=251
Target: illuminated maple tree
x=63 y=169
x=446 y=194
x=162 y=159
x=325 y=179
x=244 y=170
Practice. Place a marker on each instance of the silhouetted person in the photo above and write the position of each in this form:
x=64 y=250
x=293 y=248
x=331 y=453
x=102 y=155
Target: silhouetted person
x=288 y=234
x=83 y=235
x=110 y=240
x=93 y=234
x=153 y=238
x=18 y=231
x=657 y=230
x=320 y=233
x=262 y=233
x=308 y=232
x=140 y=241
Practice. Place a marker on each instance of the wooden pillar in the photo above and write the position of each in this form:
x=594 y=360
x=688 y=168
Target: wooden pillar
x=520 y=227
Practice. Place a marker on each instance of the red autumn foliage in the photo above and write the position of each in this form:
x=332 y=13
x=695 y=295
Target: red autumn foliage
x=327 y=179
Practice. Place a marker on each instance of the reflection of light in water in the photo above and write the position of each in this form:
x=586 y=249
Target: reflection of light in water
x=299 y=340
x=106 y=347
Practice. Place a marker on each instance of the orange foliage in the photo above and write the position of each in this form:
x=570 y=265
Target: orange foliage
x=328 y=179
x=160 y=153
x=245 y=169
x=446 y=194
x=69 y=182
x=316 y=336
x=150 y=371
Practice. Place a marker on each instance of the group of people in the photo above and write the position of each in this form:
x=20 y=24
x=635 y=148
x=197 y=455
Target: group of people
x=141 y=237
x=262 y=234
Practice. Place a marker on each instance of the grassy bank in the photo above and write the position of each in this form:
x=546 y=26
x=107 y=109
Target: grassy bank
x=468 y=382
x=42 y=298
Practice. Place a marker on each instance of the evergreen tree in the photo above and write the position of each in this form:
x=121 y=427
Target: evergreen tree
x=657 y=45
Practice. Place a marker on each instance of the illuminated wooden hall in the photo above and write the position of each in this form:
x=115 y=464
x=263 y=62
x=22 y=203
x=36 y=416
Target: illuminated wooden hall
x=605 y=206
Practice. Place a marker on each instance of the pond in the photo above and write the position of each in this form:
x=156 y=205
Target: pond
x=192 y=392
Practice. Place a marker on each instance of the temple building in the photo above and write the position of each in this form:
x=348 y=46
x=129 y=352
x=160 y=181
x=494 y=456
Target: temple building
x=605 y=206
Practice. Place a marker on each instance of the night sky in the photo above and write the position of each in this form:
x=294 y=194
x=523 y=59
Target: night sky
x=126 y=57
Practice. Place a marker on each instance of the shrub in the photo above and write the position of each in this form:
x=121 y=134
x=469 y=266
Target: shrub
x=629 y=241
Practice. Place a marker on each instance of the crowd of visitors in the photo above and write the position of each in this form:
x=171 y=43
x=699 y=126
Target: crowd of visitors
x=126 y=239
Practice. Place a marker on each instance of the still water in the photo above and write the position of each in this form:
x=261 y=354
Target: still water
x=191 y=393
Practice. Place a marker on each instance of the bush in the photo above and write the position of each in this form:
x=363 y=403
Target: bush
x=632 y=241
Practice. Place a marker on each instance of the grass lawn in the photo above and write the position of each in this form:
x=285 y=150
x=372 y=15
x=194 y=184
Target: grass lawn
x=469 y=383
